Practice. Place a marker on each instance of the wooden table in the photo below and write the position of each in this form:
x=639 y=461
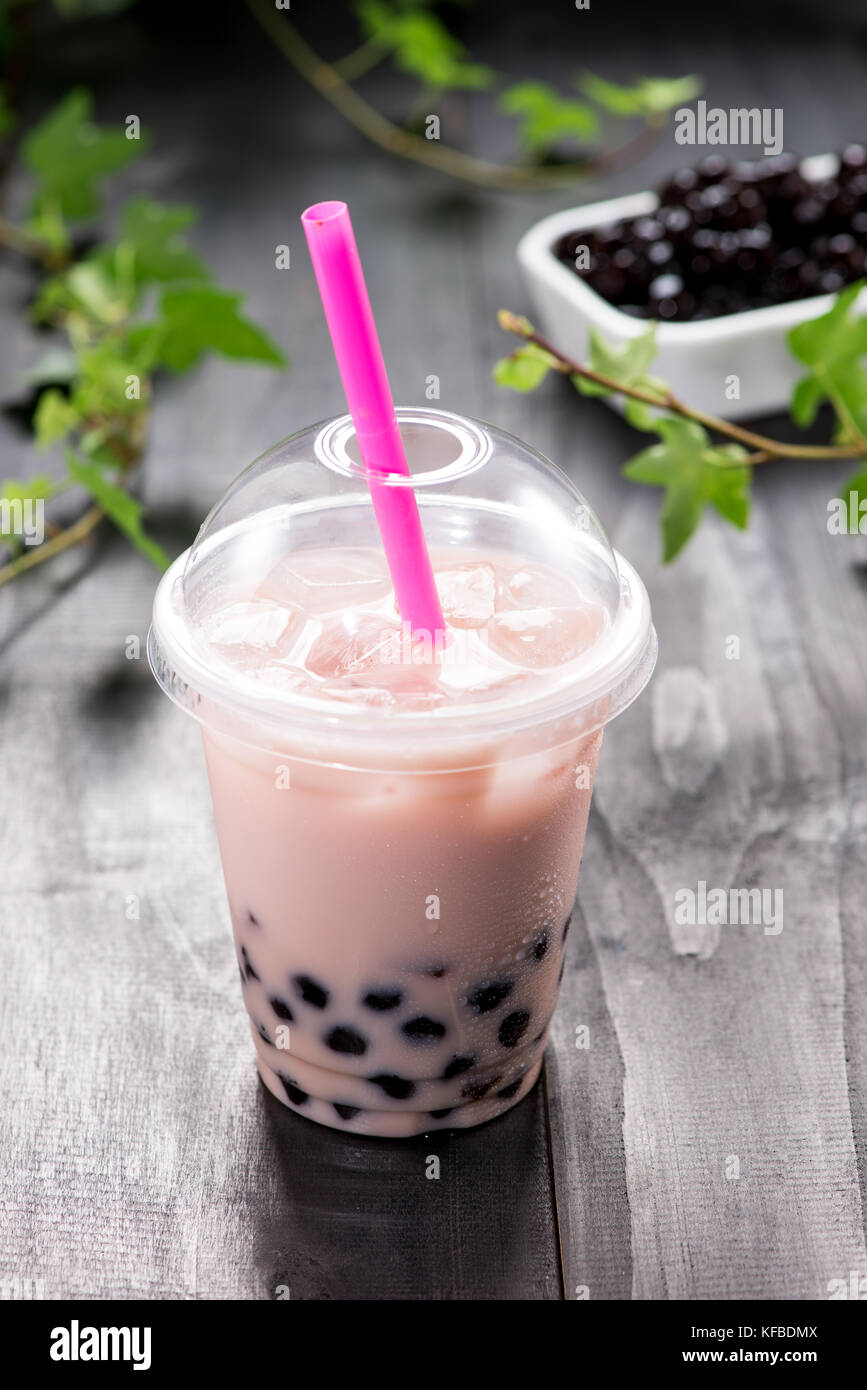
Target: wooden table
x=140 y=1157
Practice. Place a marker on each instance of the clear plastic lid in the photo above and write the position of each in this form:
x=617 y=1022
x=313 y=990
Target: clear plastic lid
x=482 y=494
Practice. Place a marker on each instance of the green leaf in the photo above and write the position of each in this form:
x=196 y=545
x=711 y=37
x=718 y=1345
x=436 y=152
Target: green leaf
x=647 y=97
x=833 y=346
x=203 y=319
x=154 y=234
x=525 y=369
x=125 y=511
x=626 y=363
x=546 y=118
x=53 y=418
x=806 y=399
x=69 y=155
x=693 y=474
x=110 y=382
x=421 y=44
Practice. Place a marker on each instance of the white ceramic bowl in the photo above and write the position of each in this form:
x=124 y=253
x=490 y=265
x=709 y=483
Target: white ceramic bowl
x=694 y=358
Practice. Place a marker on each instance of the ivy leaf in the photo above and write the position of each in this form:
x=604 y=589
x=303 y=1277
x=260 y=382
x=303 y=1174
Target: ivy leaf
x=649 y=96
x=53 y=418
x=125 y=511
x=832 y=346
x=69 y=154
x=153 y=232
x=109 y=382
x=421 y=44
x=525 y=369
x=857 y=484
x=626 y=363
x=198 y=320
x=693 y=474
x=546 y=118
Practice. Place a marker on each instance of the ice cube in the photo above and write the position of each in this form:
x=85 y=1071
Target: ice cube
x=536 y=586
x=328 y=581
x=535 y=637
x=467 y=593
x=353 y=644
x=255 y=633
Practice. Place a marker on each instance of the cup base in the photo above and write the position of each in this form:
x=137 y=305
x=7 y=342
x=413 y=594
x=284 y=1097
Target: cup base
x=393 y=1124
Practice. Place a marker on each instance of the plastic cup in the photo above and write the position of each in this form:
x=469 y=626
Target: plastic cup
x=401 y=864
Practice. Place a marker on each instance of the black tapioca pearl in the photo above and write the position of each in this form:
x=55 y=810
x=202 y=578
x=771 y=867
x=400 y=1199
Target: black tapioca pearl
x=293 y=1090
x=249 y=968
x=281 y=1009
x=441 y=1114
x=346 y=1039
x=540 y=946
x=423 y=1029
x=458 y=1065
x=513 y=1028
x=566 y=927
x=487 y=997
x=509 y=1090
x=311 y=991
x=475 y=1090
x=395 y=1086
x=381 y=1000
x=346 y=1112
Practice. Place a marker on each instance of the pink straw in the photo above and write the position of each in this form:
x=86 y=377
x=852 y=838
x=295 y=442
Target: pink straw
x=359 y=359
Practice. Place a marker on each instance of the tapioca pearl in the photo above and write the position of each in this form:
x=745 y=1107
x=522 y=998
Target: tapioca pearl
x=540 y=946
x=293 y=1090
x=311 y=991
x=382 y=1000
x=512 y=1089
x=346 y=1039
x=249 y=968
x=458 y=1065
x=346 y=1112
x=281 y=1009
x=475 y=1090
x=435 y=970
x=566 y=928
x=513 y=1028
x=423 y=1029
x=488 y=997
x=395 y=1086
x=441 y=1114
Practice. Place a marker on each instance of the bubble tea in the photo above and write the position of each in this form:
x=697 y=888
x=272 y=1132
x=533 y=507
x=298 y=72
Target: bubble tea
x=401 y=814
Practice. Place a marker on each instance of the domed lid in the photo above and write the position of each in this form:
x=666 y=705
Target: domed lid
x=280 y=619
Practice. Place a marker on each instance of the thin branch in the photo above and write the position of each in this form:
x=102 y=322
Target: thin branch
x=329 y=82
x=71 y=535
x=666 y=400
